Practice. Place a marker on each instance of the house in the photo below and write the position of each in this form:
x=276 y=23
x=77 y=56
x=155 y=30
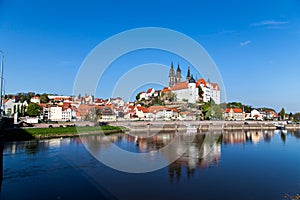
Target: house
x=161 y=112
x=150 y=92
x=55 y=113
x=11 y=107
x=35 y=99
x=186 y=91
x=117 y=102
x=235 y=114
x=209 y=91
x=256 y=115
x=105 y=113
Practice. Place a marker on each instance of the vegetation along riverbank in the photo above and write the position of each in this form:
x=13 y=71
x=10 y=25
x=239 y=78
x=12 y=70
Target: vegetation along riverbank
x=19 y=134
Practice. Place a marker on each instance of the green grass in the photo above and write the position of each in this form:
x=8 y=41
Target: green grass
x=32 y=133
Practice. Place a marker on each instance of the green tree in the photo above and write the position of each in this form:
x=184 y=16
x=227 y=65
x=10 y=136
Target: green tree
x=247 y=108
x=200 y=92
x=296 y=117
x=44 y=98
x=291 y=116
x=207 y=110
x=138 y=96
x=282 y=113
x=234 y=105
x=33 y=109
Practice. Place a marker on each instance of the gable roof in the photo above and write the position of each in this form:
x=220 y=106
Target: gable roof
x=235 y=110
x=200 y=81
x=180 y=86
x=215 y=86
x=150 y=90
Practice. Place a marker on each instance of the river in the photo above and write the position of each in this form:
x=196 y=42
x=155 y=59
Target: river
x=214 y=165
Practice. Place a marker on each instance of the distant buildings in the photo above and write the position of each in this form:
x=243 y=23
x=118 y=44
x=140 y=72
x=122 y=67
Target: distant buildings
x=235 y=114
x=192 y=90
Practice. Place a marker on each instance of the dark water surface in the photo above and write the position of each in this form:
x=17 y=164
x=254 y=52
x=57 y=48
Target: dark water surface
x=233 y=165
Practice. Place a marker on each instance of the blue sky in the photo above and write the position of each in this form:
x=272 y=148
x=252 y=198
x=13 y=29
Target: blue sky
x=255 y=44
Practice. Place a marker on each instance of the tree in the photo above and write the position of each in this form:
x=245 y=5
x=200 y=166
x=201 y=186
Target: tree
x=138 y=96
x=247 y=108
x=44 y=98
x=291 y=116
x=200 y=92
x=282 y=113
x=296 y=117
x=33 y=109
x=234 y=105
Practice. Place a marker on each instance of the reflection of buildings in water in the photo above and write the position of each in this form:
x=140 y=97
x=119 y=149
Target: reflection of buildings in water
x=257 y=136
x=235 y=137
x=241 y=137
x=268 y=135
x=29 y=147
x=1 y=163
x=204 y=152
x=155 y=142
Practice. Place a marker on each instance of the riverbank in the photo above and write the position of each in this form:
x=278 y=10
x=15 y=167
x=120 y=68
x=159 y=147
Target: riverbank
x=22 y=134
x=140 y=126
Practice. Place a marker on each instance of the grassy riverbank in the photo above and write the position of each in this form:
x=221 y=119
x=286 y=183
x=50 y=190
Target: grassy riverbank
x=42 y=133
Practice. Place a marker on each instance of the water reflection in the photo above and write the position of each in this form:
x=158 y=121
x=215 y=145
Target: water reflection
x=203 y=152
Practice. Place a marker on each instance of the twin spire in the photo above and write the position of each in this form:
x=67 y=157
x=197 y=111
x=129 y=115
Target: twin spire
x=176 y=78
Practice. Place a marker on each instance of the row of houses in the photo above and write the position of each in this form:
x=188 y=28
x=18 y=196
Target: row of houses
x=237 y=114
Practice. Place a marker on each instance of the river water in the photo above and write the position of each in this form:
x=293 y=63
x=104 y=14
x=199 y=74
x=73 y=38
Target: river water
x=230 y=165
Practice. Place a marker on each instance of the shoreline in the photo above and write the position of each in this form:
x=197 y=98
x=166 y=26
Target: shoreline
x=23 y=134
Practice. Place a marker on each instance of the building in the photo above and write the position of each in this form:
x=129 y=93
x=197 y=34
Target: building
x=35 y=99
x=55 y=113
x=210 y=91
x=174 y=78
x=105 y=113
x=186 y=91
x=189 y=90
x=235 y=114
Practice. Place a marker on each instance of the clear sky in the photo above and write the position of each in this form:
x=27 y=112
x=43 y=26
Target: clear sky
x=255 y=44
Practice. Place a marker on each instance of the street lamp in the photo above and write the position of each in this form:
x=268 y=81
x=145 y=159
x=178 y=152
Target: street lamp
x=1 y=80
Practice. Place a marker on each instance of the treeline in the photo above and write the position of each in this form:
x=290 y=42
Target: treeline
x=27 y=96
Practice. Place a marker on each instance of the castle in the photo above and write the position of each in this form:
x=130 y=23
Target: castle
x=188 y=90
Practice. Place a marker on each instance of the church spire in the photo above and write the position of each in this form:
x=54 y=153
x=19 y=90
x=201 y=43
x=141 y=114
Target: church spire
x=178 y=74
x=172 y=79
x=188 y=76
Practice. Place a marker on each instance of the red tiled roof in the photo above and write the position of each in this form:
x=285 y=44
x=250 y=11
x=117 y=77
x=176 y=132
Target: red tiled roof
x=166 y=89
x=156 y=108
x=200 y=81
x=235 y=110
x=149 y=90
x=180 y=86
x=43 y=105
x=215 y=86
x=142 y=108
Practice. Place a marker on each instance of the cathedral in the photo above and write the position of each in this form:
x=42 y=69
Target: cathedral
x=189 y=89
x=176 y=78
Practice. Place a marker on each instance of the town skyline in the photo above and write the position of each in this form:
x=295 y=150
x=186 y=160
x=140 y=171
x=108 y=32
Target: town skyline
x=255 y=48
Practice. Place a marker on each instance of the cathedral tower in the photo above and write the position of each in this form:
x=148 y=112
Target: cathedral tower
x=178 y=74
x=171 y=76
x=188 y=76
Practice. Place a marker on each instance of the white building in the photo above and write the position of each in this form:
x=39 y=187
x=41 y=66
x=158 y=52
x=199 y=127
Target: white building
x=189 y=91
x=60 y=114
x=235 y=114
x=11 y=107
x=55 y=114
x=186 y=91
x=210 y=91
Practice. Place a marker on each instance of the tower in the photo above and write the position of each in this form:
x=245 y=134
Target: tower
x=192 y=90
x=171 y=76
x=188 y=76
x=178 y=74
